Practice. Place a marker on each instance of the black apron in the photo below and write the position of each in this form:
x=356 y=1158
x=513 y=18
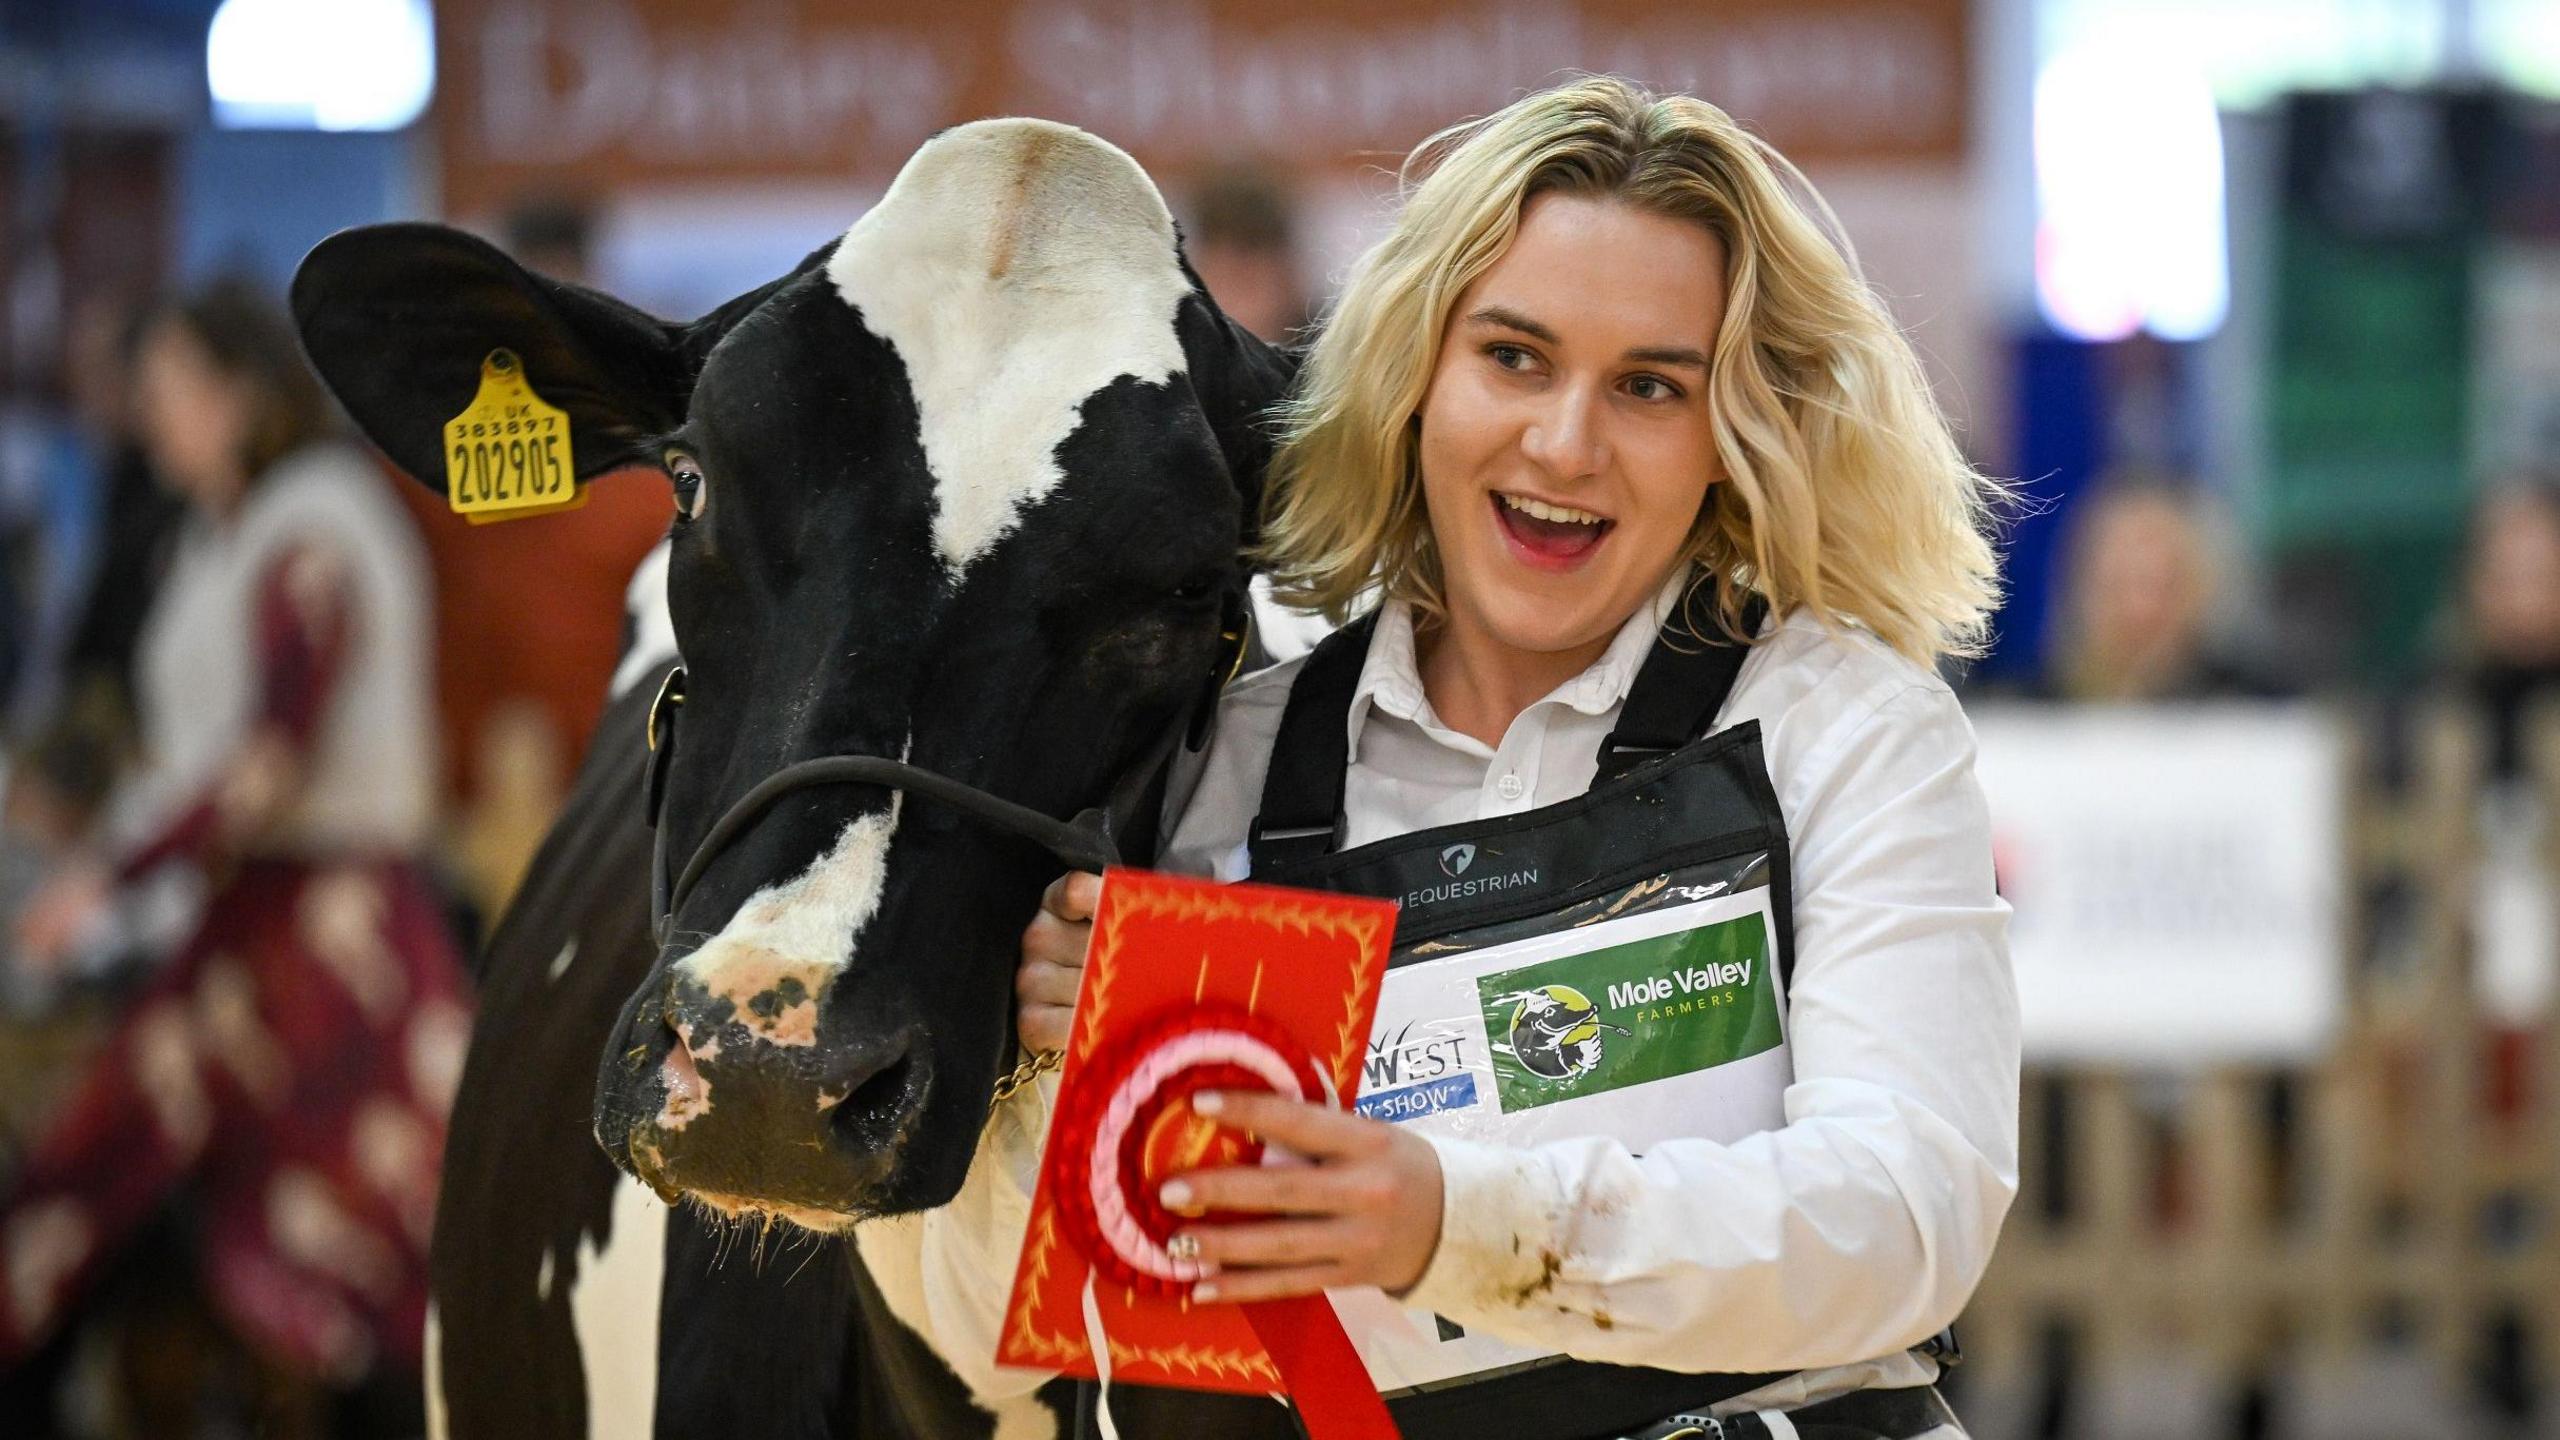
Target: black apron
x=1680 y=818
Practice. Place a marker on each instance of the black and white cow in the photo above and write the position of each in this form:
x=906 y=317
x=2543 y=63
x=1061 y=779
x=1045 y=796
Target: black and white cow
x=967 y=489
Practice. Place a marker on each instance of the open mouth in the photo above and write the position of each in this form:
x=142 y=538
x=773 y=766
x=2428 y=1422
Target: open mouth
x=1548 y=536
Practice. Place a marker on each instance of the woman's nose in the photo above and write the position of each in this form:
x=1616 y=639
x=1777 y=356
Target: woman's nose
x=1565 y=438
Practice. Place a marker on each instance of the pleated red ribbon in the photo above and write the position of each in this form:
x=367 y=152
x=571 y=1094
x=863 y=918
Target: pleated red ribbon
x=1098 y=1151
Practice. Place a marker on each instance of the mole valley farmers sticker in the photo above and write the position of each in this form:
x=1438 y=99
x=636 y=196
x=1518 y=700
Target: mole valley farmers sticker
x=1646 y=1010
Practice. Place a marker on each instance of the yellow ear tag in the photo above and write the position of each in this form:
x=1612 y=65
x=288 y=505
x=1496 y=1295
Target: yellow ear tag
x=506 y=456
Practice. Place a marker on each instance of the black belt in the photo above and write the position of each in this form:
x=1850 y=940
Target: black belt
x=1898 y=1414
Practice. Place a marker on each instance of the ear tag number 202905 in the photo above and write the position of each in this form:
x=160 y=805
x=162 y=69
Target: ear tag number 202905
x=506 y=456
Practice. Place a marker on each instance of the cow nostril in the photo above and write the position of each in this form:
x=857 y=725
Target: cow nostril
x=684 y=1094
x=873 y=1113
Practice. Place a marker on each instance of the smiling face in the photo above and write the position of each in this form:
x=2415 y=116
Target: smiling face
x=1567 y=444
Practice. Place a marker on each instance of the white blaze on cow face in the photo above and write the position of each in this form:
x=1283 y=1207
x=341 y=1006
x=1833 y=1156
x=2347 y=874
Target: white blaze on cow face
x=775 y=959
x=1017 y=266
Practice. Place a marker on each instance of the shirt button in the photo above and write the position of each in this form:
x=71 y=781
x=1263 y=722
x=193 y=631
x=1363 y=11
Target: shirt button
x=1510 y=787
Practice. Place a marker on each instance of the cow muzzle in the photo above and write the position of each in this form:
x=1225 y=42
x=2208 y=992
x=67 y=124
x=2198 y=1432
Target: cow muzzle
x=751 y=1091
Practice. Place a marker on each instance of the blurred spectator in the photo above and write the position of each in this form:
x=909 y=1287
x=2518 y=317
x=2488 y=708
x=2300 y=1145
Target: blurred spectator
x=2142 y=593
x=2505 y=653
x=1243 y=241
x=516 y=701
x=140 y=520
x=282 y=1081
x=58 y=785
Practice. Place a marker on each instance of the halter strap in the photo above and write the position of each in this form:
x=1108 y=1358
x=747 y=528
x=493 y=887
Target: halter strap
x=1090 y=841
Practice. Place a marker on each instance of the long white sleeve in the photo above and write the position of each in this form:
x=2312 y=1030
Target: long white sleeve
x=1859 y=1227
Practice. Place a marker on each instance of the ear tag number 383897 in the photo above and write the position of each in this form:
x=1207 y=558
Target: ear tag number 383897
x=506 y=456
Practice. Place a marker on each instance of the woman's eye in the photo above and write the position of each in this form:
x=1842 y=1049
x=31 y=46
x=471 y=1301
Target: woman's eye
x=686 y=473
x=1509 y=357
x=1652 y=387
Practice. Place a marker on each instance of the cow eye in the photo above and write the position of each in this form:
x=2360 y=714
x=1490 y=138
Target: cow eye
x=1191 y=590
x=686 y=473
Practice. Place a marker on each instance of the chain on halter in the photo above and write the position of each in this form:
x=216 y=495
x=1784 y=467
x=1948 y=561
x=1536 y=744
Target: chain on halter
x=1031 y=1069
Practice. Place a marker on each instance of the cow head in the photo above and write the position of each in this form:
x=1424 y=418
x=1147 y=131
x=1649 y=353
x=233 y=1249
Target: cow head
x=966 y=489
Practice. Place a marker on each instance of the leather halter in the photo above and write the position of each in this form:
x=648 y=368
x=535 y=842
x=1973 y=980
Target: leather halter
x=1089 y=841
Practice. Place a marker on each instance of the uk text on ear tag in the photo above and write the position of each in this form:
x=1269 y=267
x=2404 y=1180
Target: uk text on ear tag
x=506 y=456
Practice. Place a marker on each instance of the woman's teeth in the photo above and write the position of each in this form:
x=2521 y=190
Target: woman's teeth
x=1555 y=514
x=1549 y=537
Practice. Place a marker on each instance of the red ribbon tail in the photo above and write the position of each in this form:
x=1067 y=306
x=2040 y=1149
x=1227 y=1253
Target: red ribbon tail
x=1331 y=1388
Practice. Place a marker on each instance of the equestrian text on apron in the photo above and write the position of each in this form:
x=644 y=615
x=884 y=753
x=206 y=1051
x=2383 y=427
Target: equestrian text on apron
x=1614 y=964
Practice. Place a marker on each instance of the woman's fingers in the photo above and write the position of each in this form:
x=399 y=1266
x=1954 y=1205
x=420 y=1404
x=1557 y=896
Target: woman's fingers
x=1047 y=991
x=1276 y=1284
x=1053 y=948
x=1073 y=895
x=1045 y=982
x=1279 y=1190
x=1280 y=1242
x=1362 y=1201
x=1046 y=1027
x=1314 y=1130
x=1053 y=941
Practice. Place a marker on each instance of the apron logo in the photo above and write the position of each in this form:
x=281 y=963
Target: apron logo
x=1455 y=860
x=1555 y=1032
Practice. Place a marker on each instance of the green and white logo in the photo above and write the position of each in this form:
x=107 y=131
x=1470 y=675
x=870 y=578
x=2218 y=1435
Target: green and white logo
x=1555 y=1032
x=1628 y=1014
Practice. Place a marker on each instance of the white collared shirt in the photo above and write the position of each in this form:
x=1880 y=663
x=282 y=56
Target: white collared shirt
x=1859 y=1228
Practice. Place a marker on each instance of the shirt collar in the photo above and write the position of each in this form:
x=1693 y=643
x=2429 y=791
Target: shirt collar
x=1391 y=676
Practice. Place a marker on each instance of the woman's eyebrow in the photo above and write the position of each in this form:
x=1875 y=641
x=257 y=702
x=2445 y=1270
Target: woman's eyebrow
x=1684 y=356
x=1513 y=320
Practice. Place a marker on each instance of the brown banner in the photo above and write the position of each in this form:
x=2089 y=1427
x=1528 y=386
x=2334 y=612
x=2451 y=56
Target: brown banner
x=610 y=96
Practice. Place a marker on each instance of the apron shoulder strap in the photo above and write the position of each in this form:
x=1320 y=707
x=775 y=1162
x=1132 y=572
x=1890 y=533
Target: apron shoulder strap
x=1675 y=699
x=1301 y=812
x=1677 y=694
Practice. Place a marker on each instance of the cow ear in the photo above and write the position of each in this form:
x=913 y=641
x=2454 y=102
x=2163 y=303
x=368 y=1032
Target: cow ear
x=1240 y=380
x=398 y=319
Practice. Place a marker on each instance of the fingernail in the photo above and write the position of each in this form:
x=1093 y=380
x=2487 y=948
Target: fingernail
x=1177 y=1195
x=1209 y=1102
x=1204 y=1292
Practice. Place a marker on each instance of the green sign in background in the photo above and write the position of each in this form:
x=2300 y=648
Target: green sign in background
x=1672 y=1031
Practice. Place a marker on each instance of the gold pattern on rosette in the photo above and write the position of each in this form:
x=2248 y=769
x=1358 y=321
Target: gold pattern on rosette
x=1049 y=1344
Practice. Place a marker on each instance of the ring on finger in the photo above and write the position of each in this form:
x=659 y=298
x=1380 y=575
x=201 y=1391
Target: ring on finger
x=1185 y=1246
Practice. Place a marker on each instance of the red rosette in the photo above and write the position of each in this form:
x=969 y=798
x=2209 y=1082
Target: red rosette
x=1099 y=1144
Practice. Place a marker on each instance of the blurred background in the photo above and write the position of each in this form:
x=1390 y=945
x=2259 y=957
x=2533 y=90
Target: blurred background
x=2258 y=299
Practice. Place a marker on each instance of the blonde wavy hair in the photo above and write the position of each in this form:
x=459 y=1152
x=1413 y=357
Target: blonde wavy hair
x=1848 y=493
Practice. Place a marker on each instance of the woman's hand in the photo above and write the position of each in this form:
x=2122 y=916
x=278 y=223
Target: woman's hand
x=1364 y=1210
x=1053 y=947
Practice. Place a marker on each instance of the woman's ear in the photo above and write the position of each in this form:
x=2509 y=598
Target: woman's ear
x=397 y=320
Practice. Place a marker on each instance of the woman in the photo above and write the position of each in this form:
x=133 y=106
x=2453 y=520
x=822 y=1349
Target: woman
x=289 y=1066
x=1604 y=394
